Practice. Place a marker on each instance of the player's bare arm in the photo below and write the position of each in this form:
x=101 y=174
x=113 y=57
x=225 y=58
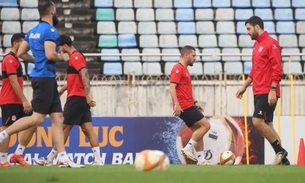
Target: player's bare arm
x=241 y=91
x=51 y=54
x=173 y=92
x=86 y=82
x=62 y=90
x=23 y=52
x=18 y=91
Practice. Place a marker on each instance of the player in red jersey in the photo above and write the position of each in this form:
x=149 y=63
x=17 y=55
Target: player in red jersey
x=79 y=100
x=14 y=104
x=186 y=107
x=266 y=74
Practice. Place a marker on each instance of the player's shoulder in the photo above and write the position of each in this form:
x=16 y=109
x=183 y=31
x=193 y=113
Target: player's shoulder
x=77 y=55
x=272 y=41
x=177 y=66
x=9 y=58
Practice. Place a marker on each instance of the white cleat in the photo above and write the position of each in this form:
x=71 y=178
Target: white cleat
x=188 y=154
x=42 y=162
x=69 y=164
x=205 y=163
x=98 y=163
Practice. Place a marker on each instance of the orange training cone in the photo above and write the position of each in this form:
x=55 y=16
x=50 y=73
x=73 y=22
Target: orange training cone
x=301 y=156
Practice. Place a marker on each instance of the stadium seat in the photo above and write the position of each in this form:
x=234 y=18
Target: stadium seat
x=27 y=25
x=302 y=41
x=30 y=67
x=127 y=27
x=10 y=14
x=224 y=14
x=212 y=68
x=260 y=3
x=124 y=14
x=184 y=14
x=168 y=41
x=163 y=3
x=23 y=68
x=221 y=3
x=164 y=15
x=298 y=3
x=292 y=68
x=11 y=27
x=30 y=14
x=303 y=57
x=234 y=68
x=204 y=14
x=29 y=3
x=231 y=51
x=1 y=57
x=187 y=40
x=246 y=51
x=264 y=13
x=152 y=68
x=247 y=67
x=245 y=41
x=288 y=40
x=107 y=41
x=143 y=3
x=152 y=51
x=202 y=3
x=186 y=28
x=150 y=41
x=213 y=57
x=104 y=14
x=300 y=27
x=168 y=67
x=7 y=50
x=127 y=40
x=206 y=27
x=207 y=41
x=123 y=4
x=225 y=27
x=112 y=68
x=269 y=27
x=8 y=3
x=103 y=3
x=243 y=14
x=106 y=28
x=227 y=41
x=241 y=3
x=170 y=51
x=283 y=14
x=196 y=69
x=300 y=14
x=285 y=28
x=145 y=14
x=291 y=58
x=129 y=52
x=7 y=40
x=133 y=68
x=147 y=28
x=182 y=3
x=281 y=4
x=166 y=28
x=110 y=58
x=241 y=28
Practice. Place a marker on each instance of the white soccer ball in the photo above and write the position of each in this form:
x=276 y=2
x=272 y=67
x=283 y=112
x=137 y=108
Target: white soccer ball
x=227 y=158
x=151 y=160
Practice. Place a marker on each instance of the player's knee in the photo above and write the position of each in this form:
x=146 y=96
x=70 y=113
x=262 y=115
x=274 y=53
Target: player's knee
x=205 y=124
x=257 y=122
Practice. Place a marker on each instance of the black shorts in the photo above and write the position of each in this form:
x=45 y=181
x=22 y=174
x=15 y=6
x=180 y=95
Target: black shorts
x=45 y=96
x=11 y=113
x=77 y=111
x=262 y=109
x=191 y=115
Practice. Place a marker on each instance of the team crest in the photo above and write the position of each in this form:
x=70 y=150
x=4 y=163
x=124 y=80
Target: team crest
x=260 y=49
x=14 y=118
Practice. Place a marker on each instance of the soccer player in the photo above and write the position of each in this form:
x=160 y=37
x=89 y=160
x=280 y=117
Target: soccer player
x=186 y=107
x=14 y=104
x=42 y=40
x=266 y=74
x=79 y=100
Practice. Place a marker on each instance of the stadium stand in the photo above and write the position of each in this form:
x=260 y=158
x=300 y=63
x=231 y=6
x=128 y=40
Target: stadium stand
x=164 y=26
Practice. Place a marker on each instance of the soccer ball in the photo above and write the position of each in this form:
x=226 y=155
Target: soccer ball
x=227 y=158
x=151 y=160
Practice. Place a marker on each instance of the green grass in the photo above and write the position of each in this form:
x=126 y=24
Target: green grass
x=176 y=173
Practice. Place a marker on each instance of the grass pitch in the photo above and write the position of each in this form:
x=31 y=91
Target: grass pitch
x=176 y=174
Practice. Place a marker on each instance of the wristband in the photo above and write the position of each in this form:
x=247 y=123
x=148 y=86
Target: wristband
x=195 y=102
x=273 y=87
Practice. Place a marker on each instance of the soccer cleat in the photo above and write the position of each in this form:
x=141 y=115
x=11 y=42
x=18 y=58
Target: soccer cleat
x=6 y=164
x=98 y=163
x=279 y=157
x=189 y=155
x=205 y=163
x=69 y=164
x=42 y=162
x=285 y=161
x=18 y=158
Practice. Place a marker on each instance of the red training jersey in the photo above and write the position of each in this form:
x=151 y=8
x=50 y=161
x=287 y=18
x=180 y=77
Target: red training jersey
x=10 y=66
x=181 y=76
x=75 y=85
x=266 y=65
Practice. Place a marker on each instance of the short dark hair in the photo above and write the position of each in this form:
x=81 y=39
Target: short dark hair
x=16 y=38
x=255 y=20
x=187 y=49
x=44 y=6
x=64 y=39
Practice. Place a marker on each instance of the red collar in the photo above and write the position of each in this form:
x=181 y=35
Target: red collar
x=261 y=37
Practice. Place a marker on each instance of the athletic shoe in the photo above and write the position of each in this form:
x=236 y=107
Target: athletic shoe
x=188 y=154
x=42 y=162
x=279 y=157
x=69 y=164
x=98 y=163
x=285 y=161
x=205 y=163
x=18 y=158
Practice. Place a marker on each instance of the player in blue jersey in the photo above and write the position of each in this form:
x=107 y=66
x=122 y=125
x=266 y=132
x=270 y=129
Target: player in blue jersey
x=43 y=41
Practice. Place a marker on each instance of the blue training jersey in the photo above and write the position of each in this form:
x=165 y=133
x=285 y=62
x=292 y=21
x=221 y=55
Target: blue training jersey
x=36 y=38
